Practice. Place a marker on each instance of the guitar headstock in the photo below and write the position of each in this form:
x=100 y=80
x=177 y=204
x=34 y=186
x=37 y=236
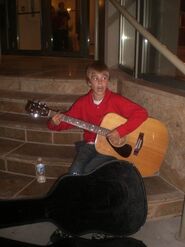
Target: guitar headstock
x=37 y=109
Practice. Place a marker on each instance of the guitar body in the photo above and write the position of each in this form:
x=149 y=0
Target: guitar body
x=154 y=144
x=111 y=200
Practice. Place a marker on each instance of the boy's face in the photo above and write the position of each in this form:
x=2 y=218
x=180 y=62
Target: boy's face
x=99 y=83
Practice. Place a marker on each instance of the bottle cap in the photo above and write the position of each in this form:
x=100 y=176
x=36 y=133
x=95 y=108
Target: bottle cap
x=39 y=159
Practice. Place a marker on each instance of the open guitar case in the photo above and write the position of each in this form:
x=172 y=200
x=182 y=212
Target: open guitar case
x=110 y=201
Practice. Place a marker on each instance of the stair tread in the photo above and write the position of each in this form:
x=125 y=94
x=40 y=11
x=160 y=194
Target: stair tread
x=25 y=121
x=22 y=121
x=31 y=151
x=22 y=95
x=51 y=154
x=46 y=85
x=158 y=190
x=18 y=186
x=20 y=158
x=43 y=67
x=6 y=146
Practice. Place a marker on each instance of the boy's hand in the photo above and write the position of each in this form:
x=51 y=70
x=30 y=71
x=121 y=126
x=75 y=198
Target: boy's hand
x=114 y=137
x=56 y=119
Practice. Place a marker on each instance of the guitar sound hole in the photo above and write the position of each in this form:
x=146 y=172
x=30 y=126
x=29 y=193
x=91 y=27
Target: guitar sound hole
x=123 y=151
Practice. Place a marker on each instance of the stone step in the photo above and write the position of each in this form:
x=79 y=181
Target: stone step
x=164 y=200
x=43 y=85
x=27 y=129
x=49 y=85
x=15 y=101
x=20 y=158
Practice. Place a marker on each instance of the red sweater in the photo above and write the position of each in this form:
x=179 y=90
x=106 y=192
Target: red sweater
x=85 y=109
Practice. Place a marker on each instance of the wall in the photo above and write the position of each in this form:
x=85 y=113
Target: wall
x=169 y=107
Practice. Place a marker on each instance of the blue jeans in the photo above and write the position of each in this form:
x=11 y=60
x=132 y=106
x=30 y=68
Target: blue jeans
x=87 y=159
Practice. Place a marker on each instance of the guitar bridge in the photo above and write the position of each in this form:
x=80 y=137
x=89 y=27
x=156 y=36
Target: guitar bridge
x=139 y=143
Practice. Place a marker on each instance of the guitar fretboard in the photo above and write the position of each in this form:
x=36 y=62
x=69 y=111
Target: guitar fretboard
x=84 y=125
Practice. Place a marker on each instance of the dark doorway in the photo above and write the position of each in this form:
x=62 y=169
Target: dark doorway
x=36 y=27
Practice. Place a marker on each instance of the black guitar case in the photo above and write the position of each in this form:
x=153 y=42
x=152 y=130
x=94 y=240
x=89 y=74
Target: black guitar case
x=79 y=242
x=110 y=200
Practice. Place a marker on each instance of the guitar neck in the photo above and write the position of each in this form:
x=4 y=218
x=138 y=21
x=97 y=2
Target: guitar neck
x=82 y=124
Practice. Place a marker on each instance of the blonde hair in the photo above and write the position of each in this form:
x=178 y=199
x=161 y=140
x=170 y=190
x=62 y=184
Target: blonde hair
x=96 y=66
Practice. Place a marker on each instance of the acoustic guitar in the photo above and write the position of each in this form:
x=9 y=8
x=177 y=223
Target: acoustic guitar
x=111 y=200
x=145 y=147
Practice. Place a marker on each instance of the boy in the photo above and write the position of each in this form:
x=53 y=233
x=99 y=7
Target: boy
x=92 y=108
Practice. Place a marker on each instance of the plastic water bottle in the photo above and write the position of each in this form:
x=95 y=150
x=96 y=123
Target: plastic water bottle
x=40 y=170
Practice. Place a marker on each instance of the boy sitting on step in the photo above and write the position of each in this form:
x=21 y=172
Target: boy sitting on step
x=92 y=108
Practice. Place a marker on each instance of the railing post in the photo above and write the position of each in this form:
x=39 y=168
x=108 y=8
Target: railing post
x=158 y=45
x=181 y=234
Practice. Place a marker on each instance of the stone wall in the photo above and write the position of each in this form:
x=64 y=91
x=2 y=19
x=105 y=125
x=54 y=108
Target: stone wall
x=167 y=106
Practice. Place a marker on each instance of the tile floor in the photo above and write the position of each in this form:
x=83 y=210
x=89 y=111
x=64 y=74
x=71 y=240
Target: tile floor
x=160 y=233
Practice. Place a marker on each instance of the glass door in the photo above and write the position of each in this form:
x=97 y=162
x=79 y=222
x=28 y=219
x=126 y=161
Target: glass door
x=72 y=27
x=49 y=27
x=127 y=38
x=65 y=26
x=28 y=25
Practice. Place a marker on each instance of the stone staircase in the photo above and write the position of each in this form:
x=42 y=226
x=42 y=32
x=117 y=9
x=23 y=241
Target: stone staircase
x=28 y=138
x=23 y=138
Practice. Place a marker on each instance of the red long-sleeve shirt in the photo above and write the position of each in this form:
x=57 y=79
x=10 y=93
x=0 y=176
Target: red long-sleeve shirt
x=85 y=109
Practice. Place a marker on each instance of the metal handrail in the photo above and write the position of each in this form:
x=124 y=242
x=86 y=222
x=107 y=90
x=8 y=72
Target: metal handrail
x=155 y=42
